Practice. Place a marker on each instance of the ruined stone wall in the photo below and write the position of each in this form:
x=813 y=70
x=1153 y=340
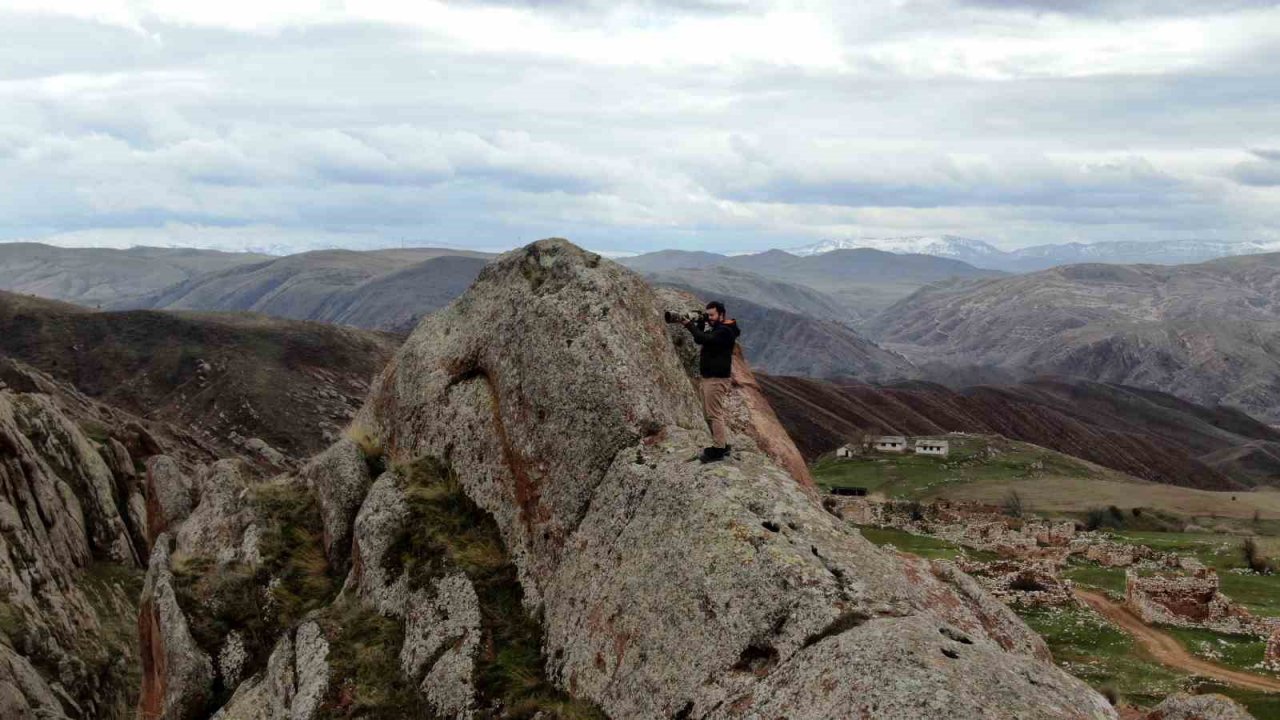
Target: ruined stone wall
x=1192 y=600
x=1024 y=583
x=1271 y=660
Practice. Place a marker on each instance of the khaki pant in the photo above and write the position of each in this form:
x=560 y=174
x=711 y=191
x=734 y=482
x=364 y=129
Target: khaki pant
x=714 y=393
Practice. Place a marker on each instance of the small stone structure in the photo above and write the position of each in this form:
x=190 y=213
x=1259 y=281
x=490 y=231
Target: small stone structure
x=846 y=451
x=1025 y=583
x=939 y=448
x=972 y=525
x=890 y=443
x=1192 y=600
x=1271 y=660
x=1115 y=554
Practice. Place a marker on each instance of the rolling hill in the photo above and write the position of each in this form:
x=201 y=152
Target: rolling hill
x=104 y=276
x=862 y=281
x=1208 y=333
x=1143 y=433
x=378 y=289
x=222 y=377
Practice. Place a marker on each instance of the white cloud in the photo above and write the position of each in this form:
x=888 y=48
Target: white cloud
x=633 y=125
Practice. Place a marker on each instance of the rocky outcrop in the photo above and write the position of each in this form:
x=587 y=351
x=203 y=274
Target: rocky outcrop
x=71 y=455
x=24 y=693
x=667 y=587
x=177 y=676
x=216 y=527
x=380 y=522
x=66 y=551
x=1184 y=706
x=339 y=477
x=441 y=638
x=293 y=685
x=170 y=496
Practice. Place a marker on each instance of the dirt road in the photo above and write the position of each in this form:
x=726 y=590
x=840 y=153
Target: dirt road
x=1165 y=649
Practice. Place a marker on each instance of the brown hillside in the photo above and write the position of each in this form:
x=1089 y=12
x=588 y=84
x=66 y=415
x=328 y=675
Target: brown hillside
x=1143 y=433
x=224 y=377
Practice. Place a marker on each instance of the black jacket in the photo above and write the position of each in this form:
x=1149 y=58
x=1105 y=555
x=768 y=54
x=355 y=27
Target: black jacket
x=717 y=341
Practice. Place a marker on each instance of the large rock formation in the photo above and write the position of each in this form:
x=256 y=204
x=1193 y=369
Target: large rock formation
x=69 y=544
x=667 y=587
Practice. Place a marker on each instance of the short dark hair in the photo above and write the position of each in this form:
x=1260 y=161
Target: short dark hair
x=719 y=306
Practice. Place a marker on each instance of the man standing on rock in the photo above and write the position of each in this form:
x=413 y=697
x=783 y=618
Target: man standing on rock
x=717 y=335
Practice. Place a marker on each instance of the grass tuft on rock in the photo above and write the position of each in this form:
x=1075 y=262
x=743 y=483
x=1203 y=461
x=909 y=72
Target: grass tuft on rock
x=370 y=447
x=447 y=531
x=260 y=601
x=364 y=659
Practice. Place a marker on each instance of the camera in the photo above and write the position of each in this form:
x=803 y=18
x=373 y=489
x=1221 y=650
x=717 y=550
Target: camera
x=695 y=316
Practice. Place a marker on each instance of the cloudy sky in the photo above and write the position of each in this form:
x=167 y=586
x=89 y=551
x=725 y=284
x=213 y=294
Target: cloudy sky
x=726 y=125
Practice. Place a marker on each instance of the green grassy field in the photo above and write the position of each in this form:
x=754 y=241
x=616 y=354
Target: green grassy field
x=921 y=545
x=972 y=459
x=1102 y=655
x=1241 y=652
x=1259 y=593
x=1095 y=576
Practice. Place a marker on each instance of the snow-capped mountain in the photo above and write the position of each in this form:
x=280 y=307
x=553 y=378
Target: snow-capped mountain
x=948 y=246
x=1039 y=257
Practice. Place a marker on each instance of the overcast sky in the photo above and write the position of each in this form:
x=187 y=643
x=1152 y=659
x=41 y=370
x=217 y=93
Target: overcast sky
x=726 y=125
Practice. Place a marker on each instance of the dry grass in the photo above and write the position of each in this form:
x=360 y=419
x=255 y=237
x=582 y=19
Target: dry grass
x=363 y=436
x=1062 y=494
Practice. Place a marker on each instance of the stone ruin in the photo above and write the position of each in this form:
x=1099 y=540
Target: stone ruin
x=982 y=527
x=1109 y=553
x=971 y=525
x=1271 y=660
x=1032 y=551
x=1192 y=600
x=1023 y=583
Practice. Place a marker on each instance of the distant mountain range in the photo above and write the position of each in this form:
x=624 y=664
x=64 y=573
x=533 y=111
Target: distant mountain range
x=861 y=281
x=1040 y=257
x=100 y=276
x=1209 y=333
x=376 y=289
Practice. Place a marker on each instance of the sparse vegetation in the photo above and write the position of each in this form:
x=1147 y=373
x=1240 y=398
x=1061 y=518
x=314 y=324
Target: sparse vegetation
x=370 y=446
x=11 y=623
x=1102 y=655
x=1241 y=652
x=922 y=545
x=96 y=431
x=264 y=600
x=364 y=658
x=1254 y=559
x=447 y=531
x=1111 y=518
x=1013 y=505
x=1091 y=575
